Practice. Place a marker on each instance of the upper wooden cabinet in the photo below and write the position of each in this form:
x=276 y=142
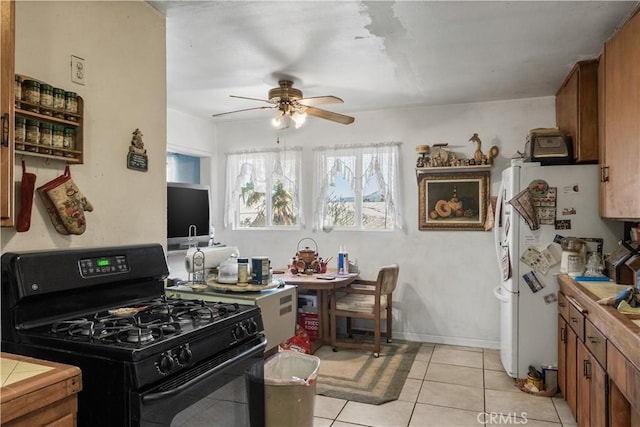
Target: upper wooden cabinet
x=577 y=110
x=620 y=165
x=7 y=59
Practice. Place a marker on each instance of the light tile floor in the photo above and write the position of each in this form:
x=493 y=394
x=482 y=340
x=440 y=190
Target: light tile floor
x=450 y=386
x=447 y=386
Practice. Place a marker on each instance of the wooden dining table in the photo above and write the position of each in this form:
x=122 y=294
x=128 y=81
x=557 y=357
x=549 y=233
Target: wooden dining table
x=322 y=284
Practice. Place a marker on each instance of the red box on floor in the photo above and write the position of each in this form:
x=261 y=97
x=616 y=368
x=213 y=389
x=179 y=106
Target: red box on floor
x=309 y=322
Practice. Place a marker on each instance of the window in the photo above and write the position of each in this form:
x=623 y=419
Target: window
x=357 y=188
x=263 y=189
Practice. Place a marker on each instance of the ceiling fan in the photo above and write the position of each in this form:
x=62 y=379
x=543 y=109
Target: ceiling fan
x=291 y=106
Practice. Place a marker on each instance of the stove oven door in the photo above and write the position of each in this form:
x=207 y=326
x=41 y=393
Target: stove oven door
x=227 y=390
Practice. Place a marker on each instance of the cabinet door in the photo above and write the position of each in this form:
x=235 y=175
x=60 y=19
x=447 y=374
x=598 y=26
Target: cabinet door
x=577 y=110
x=602 y=152
x=591 y=390
x=562 y=355
x=583 y=386
x=7 y=59
x=622 y=127
x=571 y=385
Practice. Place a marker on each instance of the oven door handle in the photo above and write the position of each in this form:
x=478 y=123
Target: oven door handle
x=154 y=397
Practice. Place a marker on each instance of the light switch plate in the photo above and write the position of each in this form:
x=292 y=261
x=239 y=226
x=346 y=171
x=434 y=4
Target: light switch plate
x=78 y=70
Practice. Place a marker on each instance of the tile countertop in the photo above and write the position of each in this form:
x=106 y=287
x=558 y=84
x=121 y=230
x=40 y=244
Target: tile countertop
x=25 y=377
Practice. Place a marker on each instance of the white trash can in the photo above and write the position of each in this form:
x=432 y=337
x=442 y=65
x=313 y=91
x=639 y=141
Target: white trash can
x=290 y=389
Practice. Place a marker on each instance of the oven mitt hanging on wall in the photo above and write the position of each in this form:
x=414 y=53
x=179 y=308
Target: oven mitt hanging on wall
x=65 y=204
x=27 y=186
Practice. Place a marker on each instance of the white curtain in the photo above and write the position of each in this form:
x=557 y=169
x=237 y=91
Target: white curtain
x=378 y=161
x=262 y=168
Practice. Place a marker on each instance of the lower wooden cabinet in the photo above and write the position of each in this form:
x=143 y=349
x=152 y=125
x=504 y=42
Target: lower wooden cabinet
x=582 y=379
x=591 y=390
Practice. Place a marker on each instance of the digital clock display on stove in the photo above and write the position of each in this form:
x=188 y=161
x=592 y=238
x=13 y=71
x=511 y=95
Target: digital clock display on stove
x=103 y=266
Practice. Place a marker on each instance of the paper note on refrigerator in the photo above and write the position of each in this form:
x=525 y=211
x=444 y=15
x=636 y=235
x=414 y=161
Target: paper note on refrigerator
x=534 y=259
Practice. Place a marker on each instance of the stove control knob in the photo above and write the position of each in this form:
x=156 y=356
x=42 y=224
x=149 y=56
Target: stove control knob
x=165 y=364
x=251 y=326
x=239 y=332
x=184 y=354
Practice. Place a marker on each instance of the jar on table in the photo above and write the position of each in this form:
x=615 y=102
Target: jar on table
x=69 y=141
x=19 y=133
x=58 y=102
x=57 y=139
x=46 y=137
x=46 y=99
x=71 y=105
x=32 y=135
x=31 y=94
x=17 y=90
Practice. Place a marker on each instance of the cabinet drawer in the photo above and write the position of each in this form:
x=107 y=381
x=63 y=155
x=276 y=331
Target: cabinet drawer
x=576 y=321
x=595 y=342
x=563 y=306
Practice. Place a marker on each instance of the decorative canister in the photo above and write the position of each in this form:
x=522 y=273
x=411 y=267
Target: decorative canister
x=69 y=141
x=20 y=132
x=57 y=140
x=31 y=94
x=58 y=102
x=46 y=137
x=70 y=105
x=32 y=135
x=17 y=90
x=46 y=99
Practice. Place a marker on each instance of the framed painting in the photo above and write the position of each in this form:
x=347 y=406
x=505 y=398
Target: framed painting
x=453 y=201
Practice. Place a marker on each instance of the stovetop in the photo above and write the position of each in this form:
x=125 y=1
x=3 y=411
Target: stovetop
x=142 y=324
x=152 y=326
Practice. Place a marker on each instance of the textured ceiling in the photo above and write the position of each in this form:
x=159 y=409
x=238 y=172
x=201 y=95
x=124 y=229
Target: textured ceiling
x=377 y=55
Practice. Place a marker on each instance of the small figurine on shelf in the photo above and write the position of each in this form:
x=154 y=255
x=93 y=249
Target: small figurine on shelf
x=137 y=146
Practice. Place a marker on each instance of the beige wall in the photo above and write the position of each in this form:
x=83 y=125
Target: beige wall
x=123 y=44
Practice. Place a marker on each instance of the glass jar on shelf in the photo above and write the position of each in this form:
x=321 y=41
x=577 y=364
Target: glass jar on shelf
x=46 y=137
x=57 y=139
x=46 y=99
x=32 y=135
x=31 y=95
x=17 y=90
x=69 y=141
x=58 y=102
x=19 y=133
x=71 y=105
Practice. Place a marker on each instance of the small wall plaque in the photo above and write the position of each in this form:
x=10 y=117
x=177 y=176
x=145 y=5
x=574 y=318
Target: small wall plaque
x=137 y=157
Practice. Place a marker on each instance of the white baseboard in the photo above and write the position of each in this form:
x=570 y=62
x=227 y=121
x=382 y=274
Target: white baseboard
x=467 y=342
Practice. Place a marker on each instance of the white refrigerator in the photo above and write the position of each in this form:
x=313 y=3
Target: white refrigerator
x=566 y=200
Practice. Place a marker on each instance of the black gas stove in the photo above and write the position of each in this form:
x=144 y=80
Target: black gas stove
x=104 y=310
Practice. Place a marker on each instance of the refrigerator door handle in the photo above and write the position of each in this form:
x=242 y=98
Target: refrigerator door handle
x=497 y=292
x=497 y=226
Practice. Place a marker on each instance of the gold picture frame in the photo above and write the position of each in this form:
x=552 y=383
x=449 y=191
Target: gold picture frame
x=453 y=201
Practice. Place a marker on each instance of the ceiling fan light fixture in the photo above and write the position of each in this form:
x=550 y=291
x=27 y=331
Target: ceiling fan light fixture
x=298 y=118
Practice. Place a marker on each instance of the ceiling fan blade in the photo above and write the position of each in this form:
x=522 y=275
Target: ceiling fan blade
x=252 y=99
x=319 y=100
x=246 y=109
x=329 y=115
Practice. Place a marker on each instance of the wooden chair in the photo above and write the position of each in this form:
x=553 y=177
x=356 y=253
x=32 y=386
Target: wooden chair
x=365 y=299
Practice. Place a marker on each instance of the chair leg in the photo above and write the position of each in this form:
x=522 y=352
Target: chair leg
x=389 y=320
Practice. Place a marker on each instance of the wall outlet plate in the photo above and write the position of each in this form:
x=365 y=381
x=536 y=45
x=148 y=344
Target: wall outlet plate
x=78 y=70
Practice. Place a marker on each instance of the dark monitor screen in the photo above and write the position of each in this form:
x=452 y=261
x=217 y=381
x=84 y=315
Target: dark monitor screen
x=187 y=204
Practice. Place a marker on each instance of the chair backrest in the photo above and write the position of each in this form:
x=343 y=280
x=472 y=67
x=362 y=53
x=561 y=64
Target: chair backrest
x=388 y=278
